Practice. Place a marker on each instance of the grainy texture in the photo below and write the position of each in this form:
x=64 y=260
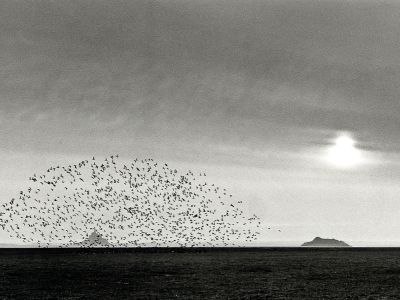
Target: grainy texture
x=279 y=273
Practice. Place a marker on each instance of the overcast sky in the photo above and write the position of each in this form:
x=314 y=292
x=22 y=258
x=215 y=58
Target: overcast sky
x=251 y=92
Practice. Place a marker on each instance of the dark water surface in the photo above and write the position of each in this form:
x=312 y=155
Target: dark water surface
x=216 y=273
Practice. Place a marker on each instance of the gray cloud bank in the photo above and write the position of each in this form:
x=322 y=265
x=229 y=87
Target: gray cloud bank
x=282 y=74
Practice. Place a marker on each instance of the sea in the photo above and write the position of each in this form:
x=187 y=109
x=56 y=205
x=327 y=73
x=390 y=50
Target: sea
x=200 y=273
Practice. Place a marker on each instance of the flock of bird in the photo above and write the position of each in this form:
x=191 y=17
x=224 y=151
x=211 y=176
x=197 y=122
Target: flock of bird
x=141 y=203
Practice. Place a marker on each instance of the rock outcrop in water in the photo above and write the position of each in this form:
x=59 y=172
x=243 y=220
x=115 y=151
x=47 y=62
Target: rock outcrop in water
x=320 y=242
x=95 y=239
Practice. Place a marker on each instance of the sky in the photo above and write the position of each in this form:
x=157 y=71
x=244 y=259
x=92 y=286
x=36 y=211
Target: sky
x=254 y=93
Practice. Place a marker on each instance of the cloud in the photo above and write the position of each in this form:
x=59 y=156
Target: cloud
x=260 y=73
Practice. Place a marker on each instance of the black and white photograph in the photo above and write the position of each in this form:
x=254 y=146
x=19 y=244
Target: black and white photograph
x=199 y=149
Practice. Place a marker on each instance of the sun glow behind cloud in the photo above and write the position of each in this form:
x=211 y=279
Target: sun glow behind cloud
x=343 y=153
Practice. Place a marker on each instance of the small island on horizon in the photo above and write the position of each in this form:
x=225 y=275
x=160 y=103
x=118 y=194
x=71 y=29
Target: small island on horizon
x=95 y=239
x=321 y=242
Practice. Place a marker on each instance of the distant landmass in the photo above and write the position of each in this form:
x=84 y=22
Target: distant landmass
x=320 y=242
x=10 y=245
x=95 y=239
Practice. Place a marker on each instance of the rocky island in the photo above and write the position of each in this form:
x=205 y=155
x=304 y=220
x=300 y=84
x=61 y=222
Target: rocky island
x=95 y=239
x=321 y=242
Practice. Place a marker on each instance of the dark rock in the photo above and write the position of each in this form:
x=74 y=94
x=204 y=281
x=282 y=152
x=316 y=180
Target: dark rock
x=95 y=239
x=320 y=242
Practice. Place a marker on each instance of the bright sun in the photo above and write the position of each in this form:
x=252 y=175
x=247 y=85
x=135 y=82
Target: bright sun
x=343 y=153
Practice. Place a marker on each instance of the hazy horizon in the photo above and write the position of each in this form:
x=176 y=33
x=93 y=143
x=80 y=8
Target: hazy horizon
x=260 y=95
